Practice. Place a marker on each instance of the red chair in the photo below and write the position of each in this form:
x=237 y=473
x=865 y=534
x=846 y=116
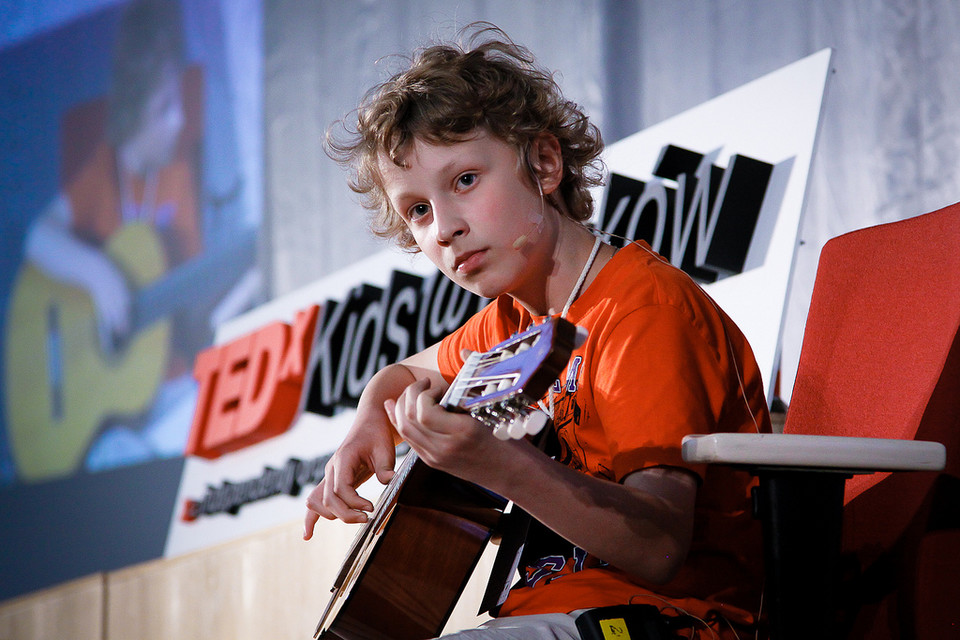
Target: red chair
x=851 y=548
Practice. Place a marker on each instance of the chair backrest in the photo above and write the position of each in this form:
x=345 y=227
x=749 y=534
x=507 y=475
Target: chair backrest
x=881 y=358
x=880 y=345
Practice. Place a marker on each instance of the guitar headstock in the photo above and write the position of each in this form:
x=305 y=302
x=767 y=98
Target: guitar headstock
x=497 y=387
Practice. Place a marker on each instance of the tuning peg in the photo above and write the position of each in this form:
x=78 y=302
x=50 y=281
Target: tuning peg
x=534 y=423
x=502 y=431
x=516 y=429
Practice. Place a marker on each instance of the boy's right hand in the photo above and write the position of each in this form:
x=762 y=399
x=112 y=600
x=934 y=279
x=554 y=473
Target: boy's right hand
x=365 y=452
x=368 y=448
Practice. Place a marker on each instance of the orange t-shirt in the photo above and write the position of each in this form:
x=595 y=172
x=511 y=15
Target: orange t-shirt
x=656 y=366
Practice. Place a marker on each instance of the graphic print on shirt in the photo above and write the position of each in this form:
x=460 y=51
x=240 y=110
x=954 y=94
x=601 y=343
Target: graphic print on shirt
x=546 y=556
x=553 y=566
x=568 y=416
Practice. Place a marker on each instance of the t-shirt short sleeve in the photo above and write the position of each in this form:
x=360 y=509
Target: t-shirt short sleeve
x=668 y=385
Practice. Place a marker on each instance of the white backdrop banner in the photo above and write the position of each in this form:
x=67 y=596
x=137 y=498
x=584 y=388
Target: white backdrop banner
x=772 y=121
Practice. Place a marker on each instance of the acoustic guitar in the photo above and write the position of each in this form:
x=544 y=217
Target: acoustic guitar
x=409 y=563
x=61 y=387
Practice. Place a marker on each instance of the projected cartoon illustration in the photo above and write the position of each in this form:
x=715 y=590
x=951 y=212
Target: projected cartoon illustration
x=135 y=224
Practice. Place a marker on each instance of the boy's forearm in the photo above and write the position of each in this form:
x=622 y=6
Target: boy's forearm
x=386 y=384
x=635 y=530
x=389 y=382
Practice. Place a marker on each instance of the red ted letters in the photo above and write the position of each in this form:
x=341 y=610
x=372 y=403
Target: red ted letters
x=250 y=388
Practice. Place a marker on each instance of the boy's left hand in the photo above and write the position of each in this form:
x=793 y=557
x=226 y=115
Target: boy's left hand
x=453 y=442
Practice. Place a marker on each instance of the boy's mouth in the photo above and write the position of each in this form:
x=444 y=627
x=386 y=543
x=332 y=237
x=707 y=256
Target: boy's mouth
x=469 y=262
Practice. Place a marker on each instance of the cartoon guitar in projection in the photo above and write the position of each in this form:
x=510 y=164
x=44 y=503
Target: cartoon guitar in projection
x=61 y=387
x=410 y=561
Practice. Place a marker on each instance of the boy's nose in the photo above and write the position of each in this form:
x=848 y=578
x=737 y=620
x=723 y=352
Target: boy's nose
x=450 y=223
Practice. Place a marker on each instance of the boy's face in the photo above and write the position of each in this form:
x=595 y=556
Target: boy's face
x=472 y=212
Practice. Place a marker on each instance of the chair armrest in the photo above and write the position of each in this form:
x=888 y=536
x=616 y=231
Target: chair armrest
x=799 y=500
x=815 y=453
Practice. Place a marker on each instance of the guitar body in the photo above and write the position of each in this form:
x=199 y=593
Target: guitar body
x=60 y=386
x=417 y=559
x=410 y=562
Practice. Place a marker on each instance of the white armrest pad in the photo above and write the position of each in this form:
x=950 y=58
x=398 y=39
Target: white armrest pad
x=856 y=455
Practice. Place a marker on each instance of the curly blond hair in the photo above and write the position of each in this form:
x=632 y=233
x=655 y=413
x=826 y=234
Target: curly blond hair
x=447 y=92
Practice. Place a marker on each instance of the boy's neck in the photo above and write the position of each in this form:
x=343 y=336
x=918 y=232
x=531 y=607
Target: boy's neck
x=571 y=253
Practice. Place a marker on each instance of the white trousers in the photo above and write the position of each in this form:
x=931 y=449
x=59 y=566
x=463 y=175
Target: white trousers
x=546 y=626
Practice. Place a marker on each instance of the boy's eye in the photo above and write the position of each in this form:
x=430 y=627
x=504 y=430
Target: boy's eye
x=466 y=180
x=418 y=211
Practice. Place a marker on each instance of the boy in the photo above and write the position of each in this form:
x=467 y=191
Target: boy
x=473 y=157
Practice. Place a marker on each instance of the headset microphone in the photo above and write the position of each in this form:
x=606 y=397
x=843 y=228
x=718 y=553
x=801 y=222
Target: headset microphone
x=536 y=225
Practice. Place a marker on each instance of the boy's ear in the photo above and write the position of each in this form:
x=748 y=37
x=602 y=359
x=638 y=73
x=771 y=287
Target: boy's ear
x=546 y=159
